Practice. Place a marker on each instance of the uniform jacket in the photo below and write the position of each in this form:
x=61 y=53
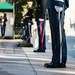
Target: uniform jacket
x=51 y=3
x=40 y=9
x=30 y=12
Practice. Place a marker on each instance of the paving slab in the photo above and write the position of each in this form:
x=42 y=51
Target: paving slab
x=13 y=61
x=39 y=59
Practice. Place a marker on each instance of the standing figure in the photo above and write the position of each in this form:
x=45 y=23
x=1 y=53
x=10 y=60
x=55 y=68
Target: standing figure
x=55 y=6
x=40 y=20
x=3 y=24
x=26 y=19
x=30 y=14
x=23 y=22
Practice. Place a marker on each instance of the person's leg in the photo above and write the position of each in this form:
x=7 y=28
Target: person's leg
x=2 y=31
x=43 y=32
x=22 y=29
x=38 y=28
x=55 y=35
x=40 y=34
x=64 y=45
x=64 y=48
x=28 y=34
x=26 y=31
x=54 y=25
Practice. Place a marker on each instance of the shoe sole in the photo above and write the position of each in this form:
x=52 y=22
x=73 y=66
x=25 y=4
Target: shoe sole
x=47 y=66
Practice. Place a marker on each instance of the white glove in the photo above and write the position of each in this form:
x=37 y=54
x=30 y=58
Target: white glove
x=40 y=19
x=59 y=5
x=58 y=8
x=29 y=23
x=2 y=20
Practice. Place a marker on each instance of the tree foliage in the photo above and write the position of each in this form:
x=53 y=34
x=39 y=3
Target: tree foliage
x=19 y=9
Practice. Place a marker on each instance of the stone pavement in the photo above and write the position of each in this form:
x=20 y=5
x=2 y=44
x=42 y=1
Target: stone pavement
x=23 y=61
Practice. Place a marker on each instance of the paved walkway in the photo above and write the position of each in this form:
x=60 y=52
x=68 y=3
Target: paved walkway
x=23 y=61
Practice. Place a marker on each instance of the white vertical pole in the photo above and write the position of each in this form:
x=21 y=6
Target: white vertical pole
x=13 y=16
x=14 y=11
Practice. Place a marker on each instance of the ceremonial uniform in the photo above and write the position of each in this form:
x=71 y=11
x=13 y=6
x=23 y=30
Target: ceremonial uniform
x=30 y=11
x=28 y=20
x=57 y=62
x=40 y=20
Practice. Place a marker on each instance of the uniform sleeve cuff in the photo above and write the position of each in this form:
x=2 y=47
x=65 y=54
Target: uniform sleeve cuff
x=59 y=3
x=41 y=19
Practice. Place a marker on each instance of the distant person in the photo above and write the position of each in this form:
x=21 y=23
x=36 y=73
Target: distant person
x=3 y=23
x=22 y=24
x=26 y=20
x=30 y=14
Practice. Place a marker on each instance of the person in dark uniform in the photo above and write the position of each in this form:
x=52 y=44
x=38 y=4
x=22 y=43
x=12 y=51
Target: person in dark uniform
x=30 y=10
x=40 y=20
x=30 y=14
x=26 y=20
x=3 y=24
x=55 y=6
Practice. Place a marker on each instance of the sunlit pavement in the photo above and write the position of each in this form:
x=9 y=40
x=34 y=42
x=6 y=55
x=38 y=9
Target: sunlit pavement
x=23 y=61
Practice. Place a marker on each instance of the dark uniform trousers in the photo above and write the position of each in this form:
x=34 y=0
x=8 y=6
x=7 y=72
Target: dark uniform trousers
x=41 y=34
x=29 y=13
x=55 y=35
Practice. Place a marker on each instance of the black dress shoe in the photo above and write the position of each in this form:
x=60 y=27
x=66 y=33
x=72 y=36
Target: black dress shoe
x=50 y=65
x=62 y=65
x=39 y=50
x=54 y=65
